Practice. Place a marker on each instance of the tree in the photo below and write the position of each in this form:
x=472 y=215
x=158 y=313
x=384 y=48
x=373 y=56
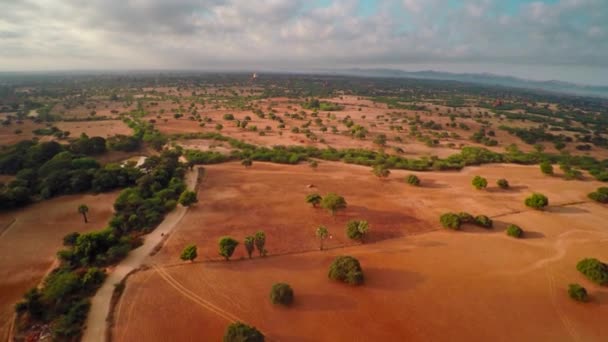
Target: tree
x=600 y=195
x=515 y=231
x=502 y=183
x=381 y=171
x=450 y=221
x=239 y=332
x=249 y=245
x=412 y=180
x=189 y=253
x=227 y=246
x=281 y=293
x=546 y=168
x=70 y=239
x=347 y=270
x=594 y=270
x=313 y=164
x=466 y=217
x=187 y=198
x=83 y=209
x=479 y=182
x=537 y=201
x=322 y=234
x=314 y=199
x=356 y=230
x=333 y=202
x=578 y=293
x=380 y=139
x=247 y=163
x=260 y=242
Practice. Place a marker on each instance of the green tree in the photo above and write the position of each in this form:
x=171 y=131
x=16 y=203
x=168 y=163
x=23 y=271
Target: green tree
x=322 y=234
x=281 y=293
x=450 y=221
x=479 y=182
x=502 y=183
x=260 y=242
x=83 y=209
x=483 y=221
x=594 y=270
x=600 y=195
x=537 y=201
x=189 y=253
x=413 y=180
x=239 y=332
x=187 y=198
x=356 y=230
x=381 y=171
x=466 y=217
x=249 y=245
x=515 y=231
x=546 y=168
x=333 y=202
x=314 y=199
x=578 y=293
x=227 y=246
x=347 y=270
x=247 y=163
x=380 y=139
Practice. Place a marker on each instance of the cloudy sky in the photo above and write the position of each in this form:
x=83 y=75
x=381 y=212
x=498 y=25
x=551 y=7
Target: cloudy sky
x=549 y=39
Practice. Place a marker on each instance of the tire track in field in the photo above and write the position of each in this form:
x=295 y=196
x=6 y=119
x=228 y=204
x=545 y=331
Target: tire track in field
x=195 y=298
x=130 y=312
x=564 y=319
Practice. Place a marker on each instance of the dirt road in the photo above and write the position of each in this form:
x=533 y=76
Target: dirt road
x=96 y=324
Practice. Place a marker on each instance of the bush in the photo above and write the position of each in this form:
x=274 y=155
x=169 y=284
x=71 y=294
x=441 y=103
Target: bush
x=502 y=183
x=333 y=203
x=189 y=253
x=450 y=221
x=577 y=292
x=227 y=246
x=239 y=332
x=228 y=117
x=313 y=199
x=347 y=270
x=381 y=171
x=483 y=221
x=600 y=195
x=356 y=230
x=281 y=293
x=479 y=182
x=546 y=168
x=515 y=231
x=537 y=201
x=187 y=198
x=594 y=270
x=466 y=217
x=413 y=180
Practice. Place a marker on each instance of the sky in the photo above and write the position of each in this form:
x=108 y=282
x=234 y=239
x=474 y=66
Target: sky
x=563 y=40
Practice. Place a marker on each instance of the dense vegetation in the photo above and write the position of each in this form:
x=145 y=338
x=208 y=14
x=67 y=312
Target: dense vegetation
x=594 y=269
x=240 y=332
x=281 y=293
x=346 y=269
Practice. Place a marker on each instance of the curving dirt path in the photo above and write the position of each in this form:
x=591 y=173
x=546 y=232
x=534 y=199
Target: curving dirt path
x=96 y=325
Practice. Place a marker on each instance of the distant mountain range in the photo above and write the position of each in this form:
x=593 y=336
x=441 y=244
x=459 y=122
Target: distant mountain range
x=484 y=78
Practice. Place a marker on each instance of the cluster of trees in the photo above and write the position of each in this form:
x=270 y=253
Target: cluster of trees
x=48 y=169
x=455 y=221
x=62 y=300
x=331 y=202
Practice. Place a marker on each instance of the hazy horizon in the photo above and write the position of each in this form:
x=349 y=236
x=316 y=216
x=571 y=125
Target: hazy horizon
x=564 y=40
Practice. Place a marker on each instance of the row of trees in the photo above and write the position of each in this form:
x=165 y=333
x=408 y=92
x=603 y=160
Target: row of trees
x=480 y=183
x=227 y=245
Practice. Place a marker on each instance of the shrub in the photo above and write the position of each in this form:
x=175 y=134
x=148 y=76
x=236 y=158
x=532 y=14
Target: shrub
x=546 y=168
x=281 y=293
x=413 y=180
x=249 y=245
x=600 y=195
x=594 y=270
x=247 y=163
x=189 y=253
x=228 y=117
x=187 y=198
x=450 y=221
x=537 y=201
x=227 y=246
x=239 y=332
x=577 y=292
x=502 y=183
x=314 y=199
x=322 y=234
x=466 y=217
x=381 y=171
x=260 y=241
x=333 y=203
x=356 y=230
x=70 y=239
x=347 y=270
x=483 y=221
x=479 y=182
x=515 y=231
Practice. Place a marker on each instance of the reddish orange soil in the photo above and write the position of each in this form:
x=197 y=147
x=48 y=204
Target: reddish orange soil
x=103 y=128
x=30 y=238
x=470 y=285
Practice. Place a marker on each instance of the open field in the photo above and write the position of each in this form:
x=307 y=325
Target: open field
x=30 y=238
x=474 y=284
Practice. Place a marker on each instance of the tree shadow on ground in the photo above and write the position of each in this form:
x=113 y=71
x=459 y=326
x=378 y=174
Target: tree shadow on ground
x=528 y=235
x=432 y=184
x=566 y=210
x=511 y=189
x=391 y=279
